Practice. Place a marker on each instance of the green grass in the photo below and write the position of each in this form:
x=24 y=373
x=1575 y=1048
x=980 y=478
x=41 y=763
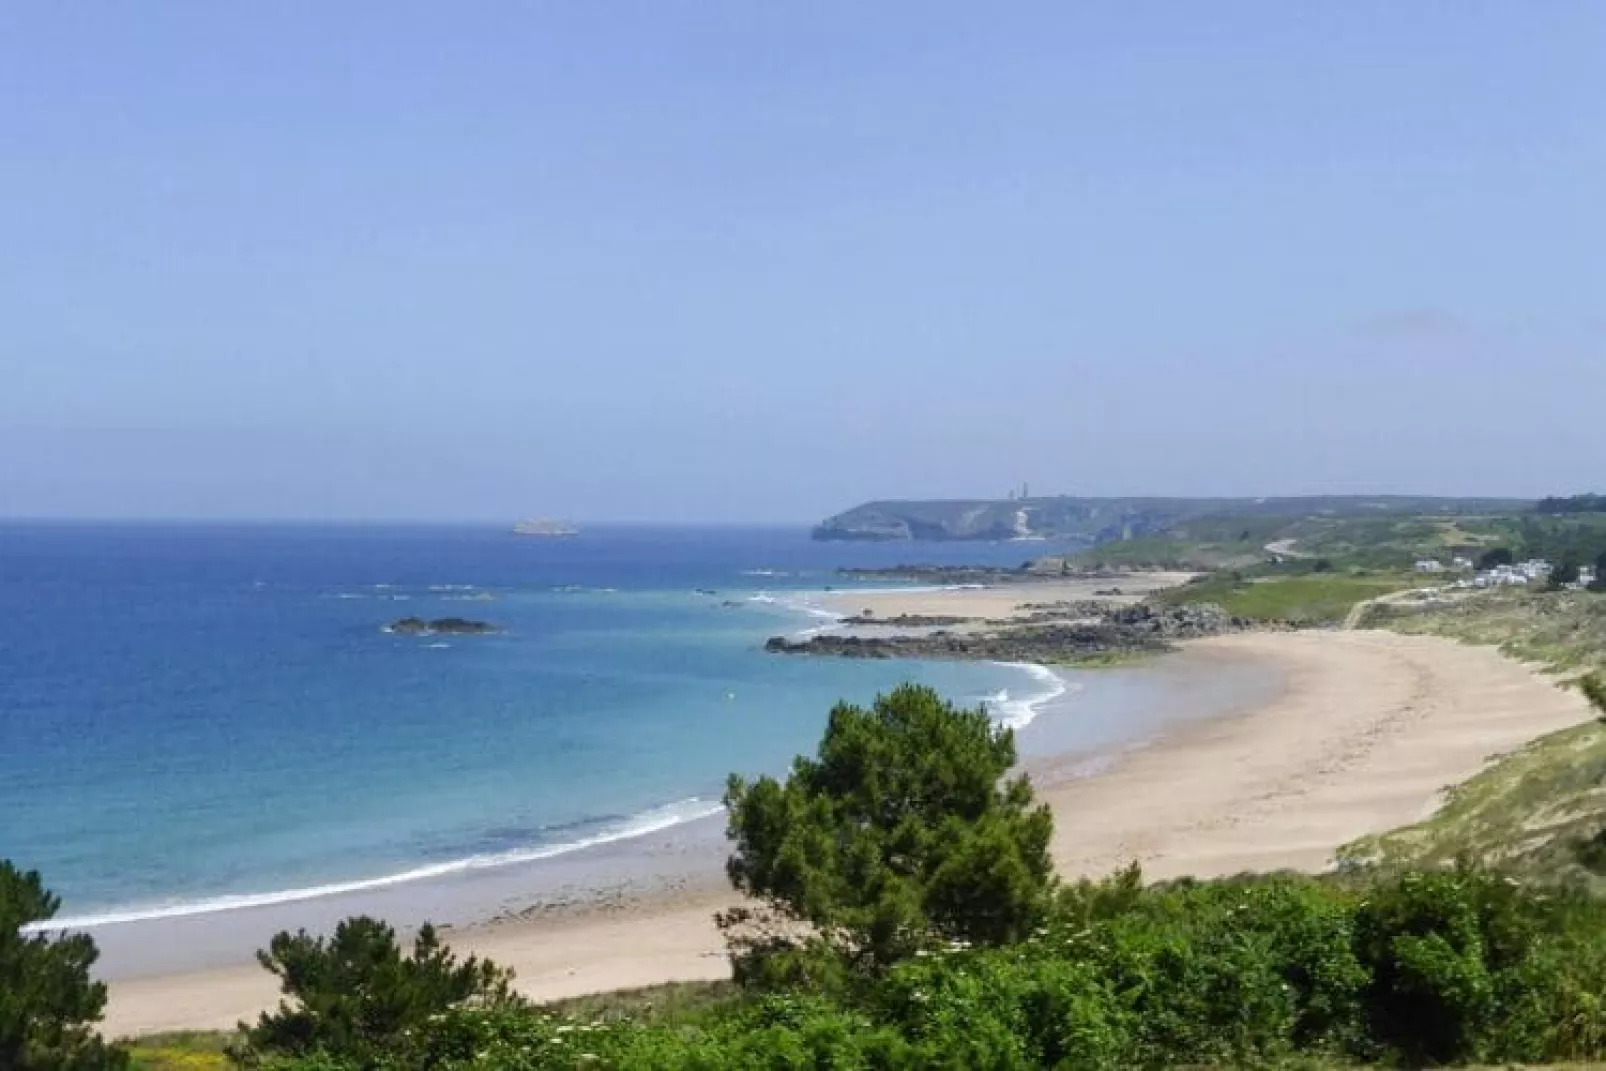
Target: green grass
x=192 y=1050
x=1303 y=599
x=1164 y=552
x=1394 y=542
x=1563 y=630
x=1390 y=541
x=671 y=1001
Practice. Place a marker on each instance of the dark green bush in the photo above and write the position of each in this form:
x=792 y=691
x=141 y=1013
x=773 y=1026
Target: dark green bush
x=902 y=833
x=1462 y=966
x=355 y=996
x=1428 y=969
x=49 y=1004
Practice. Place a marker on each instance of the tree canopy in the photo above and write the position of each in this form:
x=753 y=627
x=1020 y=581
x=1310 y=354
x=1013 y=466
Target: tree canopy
x=49 y=1005
x=1572 y=504
x=1564 y=573
x=1495 y=556
x=356 y=996
x=902 y=831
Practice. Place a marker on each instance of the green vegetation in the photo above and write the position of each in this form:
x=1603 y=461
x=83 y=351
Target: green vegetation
x=1577 y=538
x=48 y=1004
x=666 y=1002
x=1564 y=630
x=1420 y=970
x=1495 y=557
x=1303 y=596
x=1563 y=574
x=190 y=1050
x=1394 y=542
x=901 y=835
x=1573 y=504
x=1538 y=812
x=356 y=994
x=1165 y=552
x=1377 y=540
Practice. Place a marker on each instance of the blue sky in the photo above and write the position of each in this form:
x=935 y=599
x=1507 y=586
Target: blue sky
x=741 y=261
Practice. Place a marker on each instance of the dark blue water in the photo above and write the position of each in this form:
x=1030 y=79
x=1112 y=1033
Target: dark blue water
x=196 y=715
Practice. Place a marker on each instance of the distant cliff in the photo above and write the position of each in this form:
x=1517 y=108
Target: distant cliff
x=1097 y=520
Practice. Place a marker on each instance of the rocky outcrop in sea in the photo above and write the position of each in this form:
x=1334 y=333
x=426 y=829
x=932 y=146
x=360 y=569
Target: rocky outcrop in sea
x=452 y=626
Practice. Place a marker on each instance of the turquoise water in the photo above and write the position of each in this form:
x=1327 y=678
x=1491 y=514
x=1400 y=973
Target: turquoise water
x=197 y=717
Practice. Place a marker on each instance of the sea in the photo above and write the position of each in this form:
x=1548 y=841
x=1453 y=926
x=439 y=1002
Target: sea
x=203 y=718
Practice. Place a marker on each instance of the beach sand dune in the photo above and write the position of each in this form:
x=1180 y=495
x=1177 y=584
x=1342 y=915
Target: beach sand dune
x=1368 y=731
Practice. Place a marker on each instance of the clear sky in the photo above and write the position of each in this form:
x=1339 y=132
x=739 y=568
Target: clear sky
x=756 y=261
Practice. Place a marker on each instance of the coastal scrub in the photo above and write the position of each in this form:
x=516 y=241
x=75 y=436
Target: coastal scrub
x=901 y=834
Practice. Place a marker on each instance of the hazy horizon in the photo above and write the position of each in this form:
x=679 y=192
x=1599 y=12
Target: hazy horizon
x=335 y=520
x=666 y=263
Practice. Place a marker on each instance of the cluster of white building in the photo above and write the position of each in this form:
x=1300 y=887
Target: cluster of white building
x=1517 y=574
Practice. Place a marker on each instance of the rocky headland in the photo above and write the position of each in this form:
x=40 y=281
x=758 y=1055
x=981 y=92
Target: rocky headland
x=1097 y=632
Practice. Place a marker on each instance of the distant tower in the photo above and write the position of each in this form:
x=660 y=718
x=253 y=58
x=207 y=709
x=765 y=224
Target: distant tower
x=1025 y=489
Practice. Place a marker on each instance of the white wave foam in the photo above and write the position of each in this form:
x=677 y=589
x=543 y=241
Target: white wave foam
x=802 y=602
x=909 y=589
x=1019 y=713
x=648 y=822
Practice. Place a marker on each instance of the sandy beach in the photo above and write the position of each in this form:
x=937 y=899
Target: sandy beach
x=1001 y=602
x=1368 y=730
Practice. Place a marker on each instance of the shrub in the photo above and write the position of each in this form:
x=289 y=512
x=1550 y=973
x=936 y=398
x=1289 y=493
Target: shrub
x=902 y=833
x=1594 y=688
x=355 y=996
x=1495 y=556
x=1447 y=952
x=1565 y=573
x=48 y=1003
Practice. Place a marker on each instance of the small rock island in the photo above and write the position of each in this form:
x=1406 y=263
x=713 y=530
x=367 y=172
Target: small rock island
x=453 y=626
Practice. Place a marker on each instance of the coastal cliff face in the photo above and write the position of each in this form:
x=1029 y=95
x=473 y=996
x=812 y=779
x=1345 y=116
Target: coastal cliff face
x=1099 y=520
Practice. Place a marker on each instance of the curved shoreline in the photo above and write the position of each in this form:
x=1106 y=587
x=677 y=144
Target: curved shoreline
x=1367 y=732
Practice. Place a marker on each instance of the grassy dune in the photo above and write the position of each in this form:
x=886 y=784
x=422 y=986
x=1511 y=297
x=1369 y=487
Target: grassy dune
x=1540 y=811
x=1302 y=598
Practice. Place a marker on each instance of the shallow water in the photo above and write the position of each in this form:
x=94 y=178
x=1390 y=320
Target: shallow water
x=200 y=717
